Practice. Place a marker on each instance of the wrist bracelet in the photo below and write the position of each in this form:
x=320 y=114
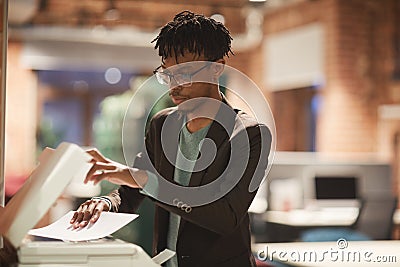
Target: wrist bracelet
x=106 y=200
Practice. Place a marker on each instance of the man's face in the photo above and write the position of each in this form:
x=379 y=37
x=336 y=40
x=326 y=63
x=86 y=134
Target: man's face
x=181 y=93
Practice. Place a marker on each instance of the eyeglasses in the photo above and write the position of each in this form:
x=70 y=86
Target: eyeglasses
x=182 y=79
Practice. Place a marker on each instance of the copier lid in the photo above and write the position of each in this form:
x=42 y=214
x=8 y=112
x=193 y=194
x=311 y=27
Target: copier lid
x=46 y=183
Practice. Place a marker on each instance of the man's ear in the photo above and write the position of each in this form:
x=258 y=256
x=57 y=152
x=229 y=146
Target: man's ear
x=219 y=67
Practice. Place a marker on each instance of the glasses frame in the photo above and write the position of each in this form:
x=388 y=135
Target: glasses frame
x=181 y=79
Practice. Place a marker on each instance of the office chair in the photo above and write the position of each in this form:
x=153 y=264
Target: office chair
x=376 y=217
x=375 y=221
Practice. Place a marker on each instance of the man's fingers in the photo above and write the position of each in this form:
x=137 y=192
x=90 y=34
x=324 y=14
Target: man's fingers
x=97 y=155
x=92 y=207
x=96 y=215
x=74 y=217
x=90 y=173
x=78 y=220
x=96 y=178
x=96 y=168
x=86 y=218
x=88 y=212
x=83 y=224
x=81 y=212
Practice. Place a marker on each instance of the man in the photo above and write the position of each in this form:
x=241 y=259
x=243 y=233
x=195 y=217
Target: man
x=200 y=158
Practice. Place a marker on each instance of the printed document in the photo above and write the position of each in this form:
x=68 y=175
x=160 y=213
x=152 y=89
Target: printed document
x=108 y=223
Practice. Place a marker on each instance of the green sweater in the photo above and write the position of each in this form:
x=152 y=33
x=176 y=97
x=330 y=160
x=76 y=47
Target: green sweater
x=189 y=147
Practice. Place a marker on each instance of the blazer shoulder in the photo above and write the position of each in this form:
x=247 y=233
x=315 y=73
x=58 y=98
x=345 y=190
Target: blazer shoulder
x=247 y=121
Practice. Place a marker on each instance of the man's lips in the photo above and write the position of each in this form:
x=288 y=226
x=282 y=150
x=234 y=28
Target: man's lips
x=177 y=96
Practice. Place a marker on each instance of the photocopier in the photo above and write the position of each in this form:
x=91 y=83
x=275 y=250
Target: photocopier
x=46 y=183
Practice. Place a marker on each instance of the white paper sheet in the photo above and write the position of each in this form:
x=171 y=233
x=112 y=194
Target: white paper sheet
x=108 y=223
x=163 y=256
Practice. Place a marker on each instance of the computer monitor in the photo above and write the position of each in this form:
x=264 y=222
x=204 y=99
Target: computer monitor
x=336 y=187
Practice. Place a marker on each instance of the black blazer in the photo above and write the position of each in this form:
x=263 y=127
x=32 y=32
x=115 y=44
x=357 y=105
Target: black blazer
x=216 y=233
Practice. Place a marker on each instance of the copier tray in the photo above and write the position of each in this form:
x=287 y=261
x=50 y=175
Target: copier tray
x=99 y=253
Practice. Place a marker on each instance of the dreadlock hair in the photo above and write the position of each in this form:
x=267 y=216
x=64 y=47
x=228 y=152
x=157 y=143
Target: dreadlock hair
x=193 y=33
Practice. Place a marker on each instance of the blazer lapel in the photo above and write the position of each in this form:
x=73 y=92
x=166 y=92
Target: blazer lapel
x=218 y=134
x=170 y=143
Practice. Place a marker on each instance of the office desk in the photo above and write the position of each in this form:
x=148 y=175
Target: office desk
x=310 y=218
x=396 y=217
x=284 y=226
x=396 y=224
x=326 y=254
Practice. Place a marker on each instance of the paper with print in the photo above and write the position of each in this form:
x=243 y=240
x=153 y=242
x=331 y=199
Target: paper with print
x=108 y=223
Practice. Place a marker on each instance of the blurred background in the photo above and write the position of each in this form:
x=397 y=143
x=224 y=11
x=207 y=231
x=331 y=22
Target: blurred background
x=330 y=69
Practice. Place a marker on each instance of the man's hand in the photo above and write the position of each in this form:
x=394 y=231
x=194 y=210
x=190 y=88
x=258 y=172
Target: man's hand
x=114 y=172
x=89 y=211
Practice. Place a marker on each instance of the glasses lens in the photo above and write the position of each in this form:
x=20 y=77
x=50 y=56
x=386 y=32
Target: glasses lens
x=183 y=79
x=162 y=78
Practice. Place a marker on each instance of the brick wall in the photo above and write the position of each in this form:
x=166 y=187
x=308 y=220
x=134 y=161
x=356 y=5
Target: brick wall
x=357 y=66
x=348 y=121
x=147 y=15
x=20 y=116
x=358 y=57
x=286 y=105
x=22 y=83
